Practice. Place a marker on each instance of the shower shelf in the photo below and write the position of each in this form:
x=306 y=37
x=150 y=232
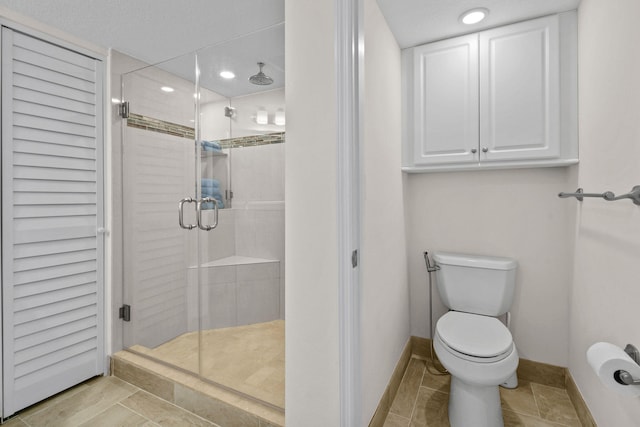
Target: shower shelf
x=236 y=260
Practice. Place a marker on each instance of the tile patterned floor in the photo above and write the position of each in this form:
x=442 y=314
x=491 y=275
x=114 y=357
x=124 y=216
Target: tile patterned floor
x=105 y=402
x=422 y=401
x=247 y=358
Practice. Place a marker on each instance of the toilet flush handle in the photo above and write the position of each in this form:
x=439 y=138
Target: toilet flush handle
x=430 y=268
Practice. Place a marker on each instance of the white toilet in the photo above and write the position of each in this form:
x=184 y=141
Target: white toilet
x=471 y=343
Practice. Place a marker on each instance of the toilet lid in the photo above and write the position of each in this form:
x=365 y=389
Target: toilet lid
x=474 y=334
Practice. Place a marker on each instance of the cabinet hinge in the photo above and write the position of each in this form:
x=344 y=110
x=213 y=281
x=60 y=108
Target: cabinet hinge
x=123 y=109
x=125 y=312
x=354 y=258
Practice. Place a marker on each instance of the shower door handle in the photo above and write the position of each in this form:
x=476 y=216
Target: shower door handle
x=181 y=213
x=199 y=203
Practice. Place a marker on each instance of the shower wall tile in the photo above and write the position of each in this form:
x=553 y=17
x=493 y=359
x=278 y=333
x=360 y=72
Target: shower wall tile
x=245 y=232
x=218 y=305
x=254 y=272
x=257 y=173
x=221 y=241
x=258 y=301
x=192 y=299
x=218 y=275
x=269 y=234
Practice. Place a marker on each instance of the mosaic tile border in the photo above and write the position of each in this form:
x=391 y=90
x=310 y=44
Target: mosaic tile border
x=147 y=123
x=253 y=140
x=154 y=125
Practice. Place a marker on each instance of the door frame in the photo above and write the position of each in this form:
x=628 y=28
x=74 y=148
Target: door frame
x=349 y=79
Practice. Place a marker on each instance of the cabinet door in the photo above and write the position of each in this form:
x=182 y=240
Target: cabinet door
x=519 y=91
x=446 y=102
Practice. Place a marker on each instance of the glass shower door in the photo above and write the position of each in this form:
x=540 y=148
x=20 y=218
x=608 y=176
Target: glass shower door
x=160 y=253
x=204 y=268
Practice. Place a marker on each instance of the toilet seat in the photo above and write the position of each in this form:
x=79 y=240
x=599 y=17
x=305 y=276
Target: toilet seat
x=474 y=337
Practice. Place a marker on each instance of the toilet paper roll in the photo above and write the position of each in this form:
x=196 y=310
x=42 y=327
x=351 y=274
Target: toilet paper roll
x=606 y=359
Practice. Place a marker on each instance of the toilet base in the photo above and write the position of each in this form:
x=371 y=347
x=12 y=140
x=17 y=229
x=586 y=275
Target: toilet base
x=474 y=405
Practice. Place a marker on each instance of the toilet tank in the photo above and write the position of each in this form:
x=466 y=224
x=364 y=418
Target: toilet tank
x=474 y=283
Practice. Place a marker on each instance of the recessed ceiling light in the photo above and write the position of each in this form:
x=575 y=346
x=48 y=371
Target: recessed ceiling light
x=227 y=74
x=167 y=89
x=474 y=16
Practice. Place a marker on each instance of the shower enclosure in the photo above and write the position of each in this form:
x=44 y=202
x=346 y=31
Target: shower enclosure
x=203 y=215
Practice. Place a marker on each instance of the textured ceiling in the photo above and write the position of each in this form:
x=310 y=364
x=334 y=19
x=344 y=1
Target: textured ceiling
x=415 y=22
x=158 y=30
x=240 y=33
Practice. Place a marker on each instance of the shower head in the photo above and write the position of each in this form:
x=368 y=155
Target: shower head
x=261 y=78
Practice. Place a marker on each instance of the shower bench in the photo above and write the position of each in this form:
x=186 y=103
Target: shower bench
x=235 y=290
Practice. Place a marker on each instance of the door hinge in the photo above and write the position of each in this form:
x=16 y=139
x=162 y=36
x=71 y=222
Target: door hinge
x=125 y=312
x=354 y=258
x=123 y=109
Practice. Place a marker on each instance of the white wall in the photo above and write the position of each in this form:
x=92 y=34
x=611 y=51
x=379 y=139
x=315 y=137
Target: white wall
x=514 y=213
x=312 y=335
x=243 y=123
x=607 y=251
x=385 y=291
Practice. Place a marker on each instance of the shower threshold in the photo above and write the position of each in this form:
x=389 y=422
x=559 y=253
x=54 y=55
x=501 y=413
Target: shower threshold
x=213 y=402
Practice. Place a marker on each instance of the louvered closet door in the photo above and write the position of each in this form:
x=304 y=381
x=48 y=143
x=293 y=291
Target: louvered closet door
x=51 y=208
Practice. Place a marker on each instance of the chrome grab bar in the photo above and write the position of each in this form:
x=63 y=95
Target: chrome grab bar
x=181 y=214
x=199 y=203
x=609 y=196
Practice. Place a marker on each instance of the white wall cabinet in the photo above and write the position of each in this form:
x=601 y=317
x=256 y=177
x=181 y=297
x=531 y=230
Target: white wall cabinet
x=501 y=98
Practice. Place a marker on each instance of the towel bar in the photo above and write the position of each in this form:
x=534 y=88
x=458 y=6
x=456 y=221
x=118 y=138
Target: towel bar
x=609 y=196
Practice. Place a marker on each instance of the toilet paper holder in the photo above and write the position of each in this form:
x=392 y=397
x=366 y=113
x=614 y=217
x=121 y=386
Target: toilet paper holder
x=623 y=377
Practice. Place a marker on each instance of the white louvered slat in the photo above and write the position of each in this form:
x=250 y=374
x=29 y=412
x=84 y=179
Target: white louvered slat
x=45 y=311
x=51 y=208
x=24 y=78
x=59 y=138
x=31 y=147
x=63 y=258
x=50 y=285
x=50 y=228
x=58 y=52
x=23 y=277
x=53 y=125
x=57 y=247
x=26 y=172
x=43 y=211
x=38 y=325
x=49 y=334
x=46 y=348
x=54 y=357
x=52 y=100
x=55 y=162
x=39 y=186
x=53 y=113
x=50 y=65
x=33 y=302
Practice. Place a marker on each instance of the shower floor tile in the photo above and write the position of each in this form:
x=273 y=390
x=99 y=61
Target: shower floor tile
x=529 y=405
x=249 y=359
